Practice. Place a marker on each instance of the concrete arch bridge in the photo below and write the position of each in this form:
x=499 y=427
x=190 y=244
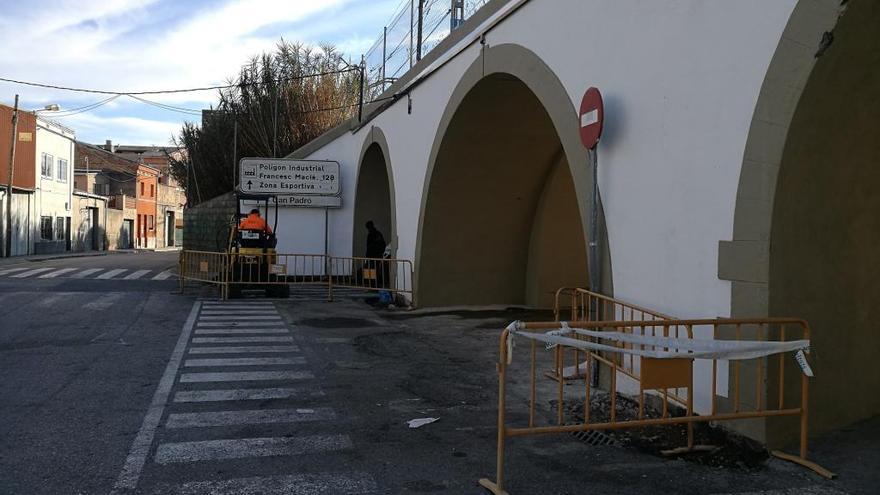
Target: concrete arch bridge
x=738 y=169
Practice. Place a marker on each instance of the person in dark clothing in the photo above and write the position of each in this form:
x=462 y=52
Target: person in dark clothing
x=376 y=249
x=375 y=241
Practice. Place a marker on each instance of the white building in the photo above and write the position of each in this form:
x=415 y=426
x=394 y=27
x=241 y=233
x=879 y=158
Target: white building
x=53 y=195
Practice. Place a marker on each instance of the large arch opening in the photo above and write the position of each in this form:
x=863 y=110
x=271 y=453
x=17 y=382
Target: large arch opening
x=501 y=222
x=825 y=235
x=373 y=199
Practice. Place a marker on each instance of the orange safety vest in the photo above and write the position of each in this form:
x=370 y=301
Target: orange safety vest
x=254 y=222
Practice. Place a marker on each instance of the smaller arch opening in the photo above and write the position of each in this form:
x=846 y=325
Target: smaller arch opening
x=372 y=199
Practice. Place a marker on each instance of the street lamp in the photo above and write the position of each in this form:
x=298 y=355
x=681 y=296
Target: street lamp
x=52 y=107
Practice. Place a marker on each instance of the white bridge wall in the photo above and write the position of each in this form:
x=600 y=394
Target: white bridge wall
x=680 y=82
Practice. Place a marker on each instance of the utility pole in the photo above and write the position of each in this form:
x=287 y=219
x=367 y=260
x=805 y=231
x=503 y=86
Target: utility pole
x=412 y=16
x=361 y=95
x=384 y=45
x=419 y=37
x=8 y=251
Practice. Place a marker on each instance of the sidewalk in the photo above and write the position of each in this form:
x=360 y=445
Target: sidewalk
x=16 y=260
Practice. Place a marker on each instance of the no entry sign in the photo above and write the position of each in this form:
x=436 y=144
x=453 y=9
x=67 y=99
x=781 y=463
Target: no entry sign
x=591 y=116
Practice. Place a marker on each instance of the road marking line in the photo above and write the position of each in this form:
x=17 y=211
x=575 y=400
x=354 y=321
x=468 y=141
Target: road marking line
x=246 y=361
x=86 y=273
x=293 y=484
x=333 y=340
x=12 y=270
x=233 y=331
x=241 y=324
x=111 y=273
x=137 y=456
x=239 y=340
x=243 y=349
x=250 y=304
x=240 y=318
x=30 y=272
x=212 y=450
x=248 y=417
x=164 y=275
x=57 y=273
x=241 y=312
x=244 y=376
x=136 y=275
x=245 y=394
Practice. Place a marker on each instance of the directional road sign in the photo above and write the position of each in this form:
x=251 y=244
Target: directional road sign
x=301 y=201
x=289 y=177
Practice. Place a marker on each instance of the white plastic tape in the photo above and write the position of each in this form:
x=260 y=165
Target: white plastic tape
x=801 y=359
x=732 y=350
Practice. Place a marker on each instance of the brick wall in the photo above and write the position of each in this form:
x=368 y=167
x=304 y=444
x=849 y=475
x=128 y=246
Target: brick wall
x=206 y=225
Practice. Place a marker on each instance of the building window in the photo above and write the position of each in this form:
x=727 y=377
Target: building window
x=142 y=188
x=46 y=165
x=62 y=170
x=151 y=222
x=59 y=228
x=46 y=228
x=152 y=190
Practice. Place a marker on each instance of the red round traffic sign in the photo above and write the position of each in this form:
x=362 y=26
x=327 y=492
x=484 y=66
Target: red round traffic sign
x=591 y=117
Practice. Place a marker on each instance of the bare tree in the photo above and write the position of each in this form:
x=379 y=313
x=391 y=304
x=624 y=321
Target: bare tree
x=279 y=102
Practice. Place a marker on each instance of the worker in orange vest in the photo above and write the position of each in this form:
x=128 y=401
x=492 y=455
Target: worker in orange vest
x=254 y=222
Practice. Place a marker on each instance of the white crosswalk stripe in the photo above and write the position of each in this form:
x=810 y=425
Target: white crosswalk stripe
x=136 y=275
x=240 y=340
x=245 y=376
x=30 y=272
x=239 y=331
x=86 y=273
x=56 y=273
x=212 y=450
x=244 y=349
x=294 y=484
x=239 y=394
x=7 y=271
x=233 y=407
x=164 y=275
x=112 y=273
x=249 y=361
x=248 y=417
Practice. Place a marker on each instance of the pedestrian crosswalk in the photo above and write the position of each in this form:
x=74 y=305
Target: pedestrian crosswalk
x=86 y=273
x=242 y=390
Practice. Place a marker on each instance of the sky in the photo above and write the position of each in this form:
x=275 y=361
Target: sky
x=144 y=45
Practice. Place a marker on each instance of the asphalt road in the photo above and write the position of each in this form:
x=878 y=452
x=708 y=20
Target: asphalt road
x=80 y=359
x=115 y=385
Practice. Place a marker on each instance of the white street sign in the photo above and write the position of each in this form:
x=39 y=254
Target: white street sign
x=287 y=176
x=304 y=201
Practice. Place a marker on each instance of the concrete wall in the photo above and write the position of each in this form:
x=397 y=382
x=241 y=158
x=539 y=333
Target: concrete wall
x=824 y=256
x=86 y=233
x=206 y=226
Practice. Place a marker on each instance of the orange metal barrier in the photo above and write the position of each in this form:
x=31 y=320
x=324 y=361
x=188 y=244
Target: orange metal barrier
x=232 y=271
x=663 y=374
x=392 y=275
x=204 y=266
x=590 y=306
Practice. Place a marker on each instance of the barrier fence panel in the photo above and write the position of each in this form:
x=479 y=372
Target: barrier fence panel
x=204 y=266
x=665 y=359
x=392 y=275
x=234 y=271
x=591 y=306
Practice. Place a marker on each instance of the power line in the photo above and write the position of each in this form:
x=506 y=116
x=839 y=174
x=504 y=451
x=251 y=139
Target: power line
x=170 y=91
x=84 y=108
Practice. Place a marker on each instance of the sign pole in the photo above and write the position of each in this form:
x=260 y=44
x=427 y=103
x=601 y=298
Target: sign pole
x=595 y=279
